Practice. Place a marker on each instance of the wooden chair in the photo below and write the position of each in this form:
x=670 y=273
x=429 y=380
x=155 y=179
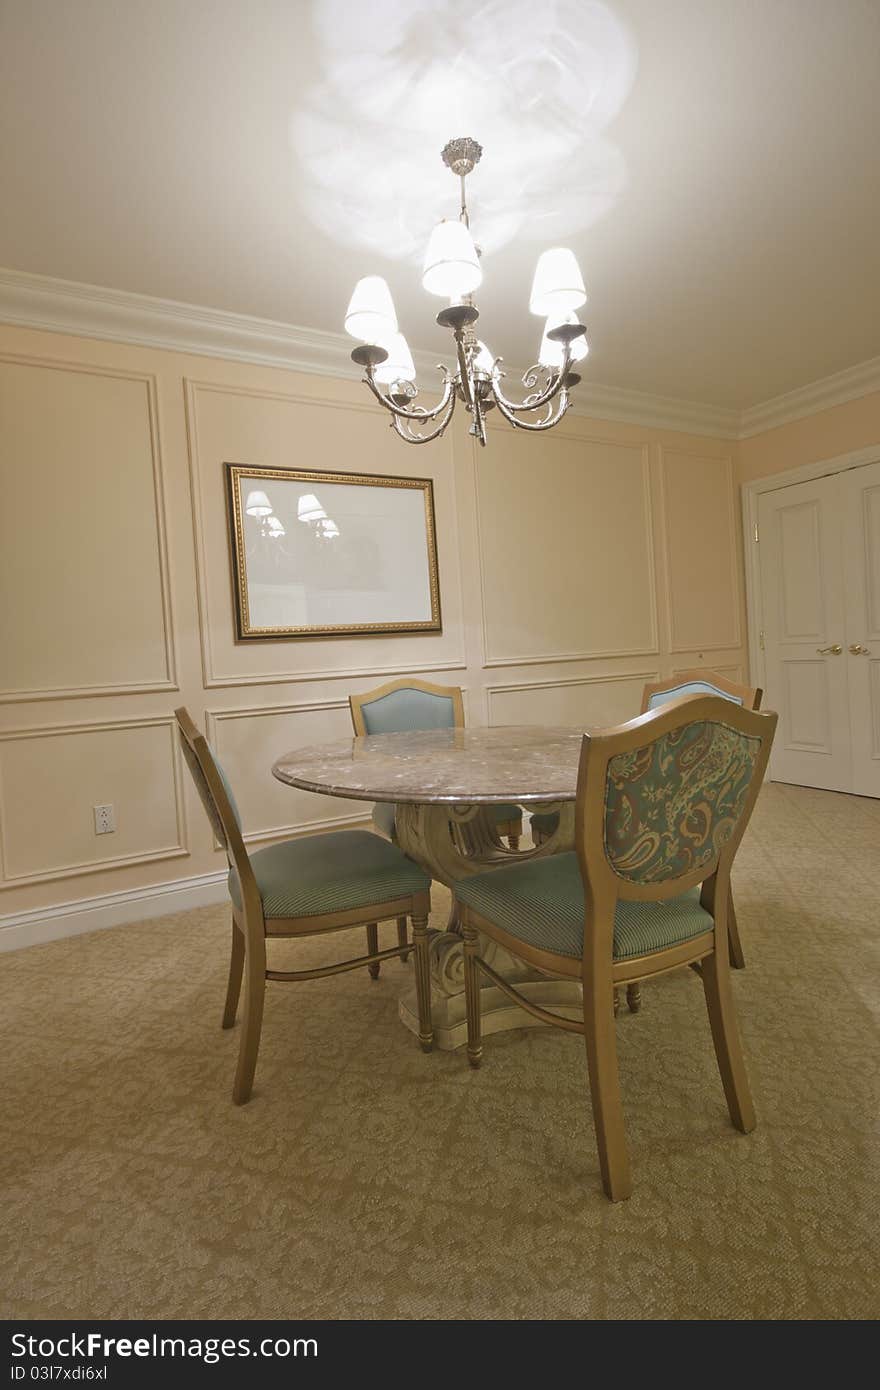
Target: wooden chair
x=656 y=693
x=413 y=704
x=305 y=887
x=662 y=803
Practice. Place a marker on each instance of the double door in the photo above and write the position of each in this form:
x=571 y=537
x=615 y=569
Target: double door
x=819 y=548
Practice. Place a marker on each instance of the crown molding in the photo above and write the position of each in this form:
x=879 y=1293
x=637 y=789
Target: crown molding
x=848 y=385
x=656 y=412
x=93 y=311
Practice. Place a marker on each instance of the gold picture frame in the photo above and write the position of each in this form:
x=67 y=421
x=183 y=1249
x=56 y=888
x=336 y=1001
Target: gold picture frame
x=321 y=554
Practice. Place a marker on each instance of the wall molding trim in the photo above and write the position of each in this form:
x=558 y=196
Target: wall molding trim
x=20 y=929
x=824 y=394
x=93 y=311
x=623 y=406
x=118 y=861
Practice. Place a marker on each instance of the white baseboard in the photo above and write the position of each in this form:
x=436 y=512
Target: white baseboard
x=18 y=929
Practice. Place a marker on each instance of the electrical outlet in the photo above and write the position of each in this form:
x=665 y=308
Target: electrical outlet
x=105 y=819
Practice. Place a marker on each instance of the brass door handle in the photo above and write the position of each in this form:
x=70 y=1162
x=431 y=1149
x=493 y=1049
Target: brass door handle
x=858 y=650
x=834 y=650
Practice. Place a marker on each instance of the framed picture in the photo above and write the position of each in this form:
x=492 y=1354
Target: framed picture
x=318 y=554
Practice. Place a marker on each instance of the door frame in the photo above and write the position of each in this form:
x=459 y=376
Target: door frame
x=751 y=493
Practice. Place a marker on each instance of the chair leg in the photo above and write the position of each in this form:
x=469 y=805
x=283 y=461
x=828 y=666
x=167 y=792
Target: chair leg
x=601 y=1040
x=372 y=948
x=472 y=997
x=236 y=965
x=254 y=998
x=734 y=945
x=725 y=1036
x=634 y=997
x=402 y=938
x=423 y=981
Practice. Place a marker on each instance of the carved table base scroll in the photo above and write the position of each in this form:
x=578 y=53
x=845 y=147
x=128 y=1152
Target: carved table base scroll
x=455 y=842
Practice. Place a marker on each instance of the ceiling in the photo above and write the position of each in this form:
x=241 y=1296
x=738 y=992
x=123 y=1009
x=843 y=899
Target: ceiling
x=712 y=162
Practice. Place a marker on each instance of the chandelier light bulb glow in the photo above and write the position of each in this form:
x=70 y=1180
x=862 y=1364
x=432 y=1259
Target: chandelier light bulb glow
x=550 y=354
x=558 y=286
x=452 y=271
x=398 y=365
x=452 y=266
x=370 y=316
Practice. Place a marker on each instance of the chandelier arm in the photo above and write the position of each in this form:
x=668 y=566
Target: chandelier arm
x=407 y=433
x=418 y=412
x=552 y=417
x=464 y=375
x=557 y=383
x=479 y=421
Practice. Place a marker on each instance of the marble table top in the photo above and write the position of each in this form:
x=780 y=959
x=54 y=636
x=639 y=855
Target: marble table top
x=450 y=766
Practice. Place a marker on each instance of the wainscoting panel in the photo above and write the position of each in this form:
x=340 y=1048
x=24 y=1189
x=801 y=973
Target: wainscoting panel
x=581 y=702
x=704 y=596
x=247 y=743
x=322 y=432
x=52 y=777
x=733 y=673
x=83 y=556
x=566 y=550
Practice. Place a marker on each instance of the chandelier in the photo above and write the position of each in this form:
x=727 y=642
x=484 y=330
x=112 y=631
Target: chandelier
x=452 y=271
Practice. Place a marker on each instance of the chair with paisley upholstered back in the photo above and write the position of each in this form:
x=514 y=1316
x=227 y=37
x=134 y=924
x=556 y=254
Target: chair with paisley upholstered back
x=317 y=884
x=656 y=693
x=662 y=803
x=410 y=704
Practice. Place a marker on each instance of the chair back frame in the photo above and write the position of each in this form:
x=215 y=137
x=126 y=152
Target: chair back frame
x=215 y=799
x=749 y=695
x=449 y=692
x=603 y=886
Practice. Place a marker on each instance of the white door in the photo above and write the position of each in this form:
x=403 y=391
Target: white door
x=861 y=524
x=804 y=628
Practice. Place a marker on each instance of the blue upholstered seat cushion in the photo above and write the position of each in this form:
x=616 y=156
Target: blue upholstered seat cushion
x=545 y=822
x=336 y=872
x=674 y=692
x=542 y=904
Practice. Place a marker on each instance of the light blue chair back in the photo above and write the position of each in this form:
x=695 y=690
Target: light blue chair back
x=407 y=709
x=662 y=697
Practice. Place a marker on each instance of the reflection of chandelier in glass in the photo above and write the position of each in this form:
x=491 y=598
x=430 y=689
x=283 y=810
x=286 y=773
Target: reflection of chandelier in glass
x=259 y=507
x=309 y=510
x=452 y=271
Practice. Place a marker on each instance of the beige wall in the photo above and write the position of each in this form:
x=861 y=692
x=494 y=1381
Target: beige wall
x=574 y=566
x=824 y=435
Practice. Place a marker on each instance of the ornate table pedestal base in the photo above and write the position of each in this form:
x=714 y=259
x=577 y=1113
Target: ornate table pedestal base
x=499 y=1013
x=456 y=842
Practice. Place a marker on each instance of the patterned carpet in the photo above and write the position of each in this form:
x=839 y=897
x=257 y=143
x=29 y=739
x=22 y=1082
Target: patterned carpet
x=367 y=1180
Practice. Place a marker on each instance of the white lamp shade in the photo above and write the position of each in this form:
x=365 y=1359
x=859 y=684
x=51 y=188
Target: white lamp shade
x=551 y=351
x=275 y=527
x=257 y=504
x=330 y=529
x=452 y=266
x=558 y=286
x=484 y=361
x=370 y=316
x=308 y=508
x=398 y=365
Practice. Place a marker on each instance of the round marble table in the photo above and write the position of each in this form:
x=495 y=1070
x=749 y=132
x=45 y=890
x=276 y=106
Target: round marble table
x=441 y=782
